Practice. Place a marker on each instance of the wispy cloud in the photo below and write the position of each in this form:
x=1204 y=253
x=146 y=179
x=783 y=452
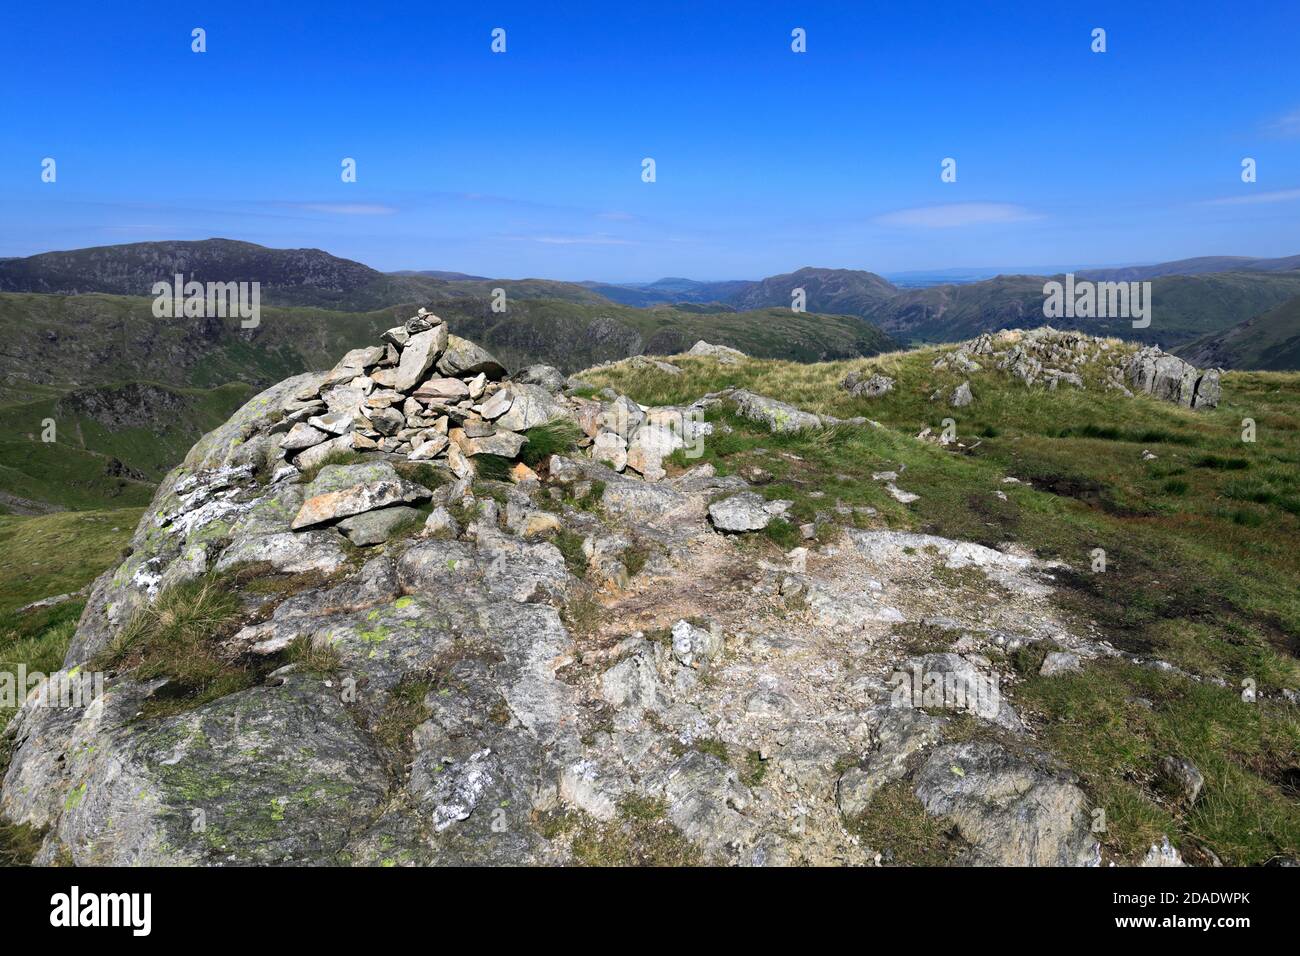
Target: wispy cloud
x=955 y=215
x=345 y=208
x=598 y=239
x=1286 y=126
x=1277 y=195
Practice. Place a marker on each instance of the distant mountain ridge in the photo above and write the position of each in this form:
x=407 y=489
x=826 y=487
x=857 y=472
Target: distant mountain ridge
x=1202 y=265
x=288 y=277
x=1193 y=298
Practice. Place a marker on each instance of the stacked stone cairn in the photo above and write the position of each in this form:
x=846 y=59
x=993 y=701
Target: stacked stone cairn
x=425 y=395
x=422 y=395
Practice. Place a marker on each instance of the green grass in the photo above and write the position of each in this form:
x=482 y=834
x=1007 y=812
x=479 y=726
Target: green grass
x=404 y=710
x=36 y=641
x=896 y=824
x=144 y=427
x=638 y=836
x=570 y=545
x=45 y=555
x=423 y=473
x=1113 y=722
x=556 y=437
x=492 y=467
x=178 y=637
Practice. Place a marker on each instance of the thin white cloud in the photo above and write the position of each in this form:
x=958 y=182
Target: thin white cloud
x=1287 y=126
x=1277 y=195
x=590 y=240
x=346 y=208
x=956 y=215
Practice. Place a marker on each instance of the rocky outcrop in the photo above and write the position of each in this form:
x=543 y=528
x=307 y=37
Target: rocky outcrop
x=1170 y=378
x=1055 y=359
x=1013 y=811
x=722 y=353
x=869 y=386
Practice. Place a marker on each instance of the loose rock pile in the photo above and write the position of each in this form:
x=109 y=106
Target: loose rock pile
x=422 y=395
x=427 y=395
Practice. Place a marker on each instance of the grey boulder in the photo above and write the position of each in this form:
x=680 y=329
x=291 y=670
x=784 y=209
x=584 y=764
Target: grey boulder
x=742 y=512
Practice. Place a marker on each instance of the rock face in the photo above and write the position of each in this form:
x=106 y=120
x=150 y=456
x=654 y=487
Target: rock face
x=1182 y=779
x=744 y=512
x=1053 y=359
x=778 y=416
x=341 y=491
x=990 y=795
x=1170 y=378
x=722 y=353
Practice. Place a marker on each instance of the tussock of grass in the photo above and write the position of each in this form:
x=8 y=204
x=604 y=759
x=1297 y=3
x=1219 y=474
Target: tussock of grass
x=556 y=437
x=404 y=710
x=639 y=836
x=422 y=473
x=582 y=613
x=19 y=843
x=783 y=534
x=492 y=467
x=1222 y=464
x=636 y=556
x=896 y=824
x=178 y=637
x=320 y=660
x=570 y=545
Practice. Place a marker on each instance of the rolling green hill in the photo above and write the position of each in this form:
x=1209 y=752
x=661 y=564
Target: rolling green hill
x=1183 y=307
x=288 y=277
x=112 y=443
x=83 y=360
x=1268 y=342
x=59 y=342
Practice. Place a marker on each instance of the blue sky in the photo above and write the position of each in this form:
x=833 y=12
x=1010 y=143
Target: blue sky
x=528 y=163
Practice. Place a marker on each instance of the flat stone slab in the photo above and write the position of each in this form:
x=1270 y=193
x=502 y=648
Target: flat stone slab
x=742 y=512
x=340 y=491
x=376 y=527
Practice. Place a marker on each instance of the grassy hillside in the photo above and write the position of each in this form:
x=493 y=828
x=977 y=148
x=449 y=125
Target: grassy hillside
x=59 y=342
x=112 y=444
x=1268 y=342
x=1183 y=307
x=572 y=336
x=1201 y=563
x=842 y=291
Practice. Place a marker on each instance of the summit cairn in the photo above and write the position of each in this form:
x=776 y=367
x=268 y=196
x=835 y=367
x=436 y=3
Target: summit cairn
x=422 y=395
x=425 y=395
